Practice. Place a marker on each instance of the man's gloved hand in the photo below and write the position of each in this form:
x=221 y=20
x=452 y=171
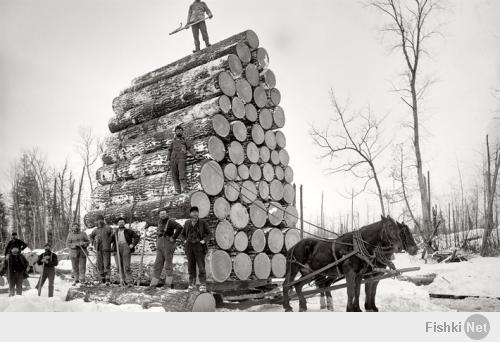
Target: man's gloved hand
x=202 y=242
x=131 y=246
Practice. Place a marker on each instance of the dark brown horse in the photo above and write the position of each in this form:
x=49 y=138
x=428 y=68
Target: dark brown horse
x=312 y=254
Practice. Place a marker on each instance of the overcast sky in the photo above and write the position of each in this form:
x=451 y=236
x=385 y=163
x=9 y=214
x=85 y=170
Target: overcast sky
x=63 y=61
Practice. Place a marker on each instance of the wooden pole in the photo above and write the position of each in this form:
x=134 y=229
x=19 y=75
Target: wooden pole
x=76 y=214
x=301 y=213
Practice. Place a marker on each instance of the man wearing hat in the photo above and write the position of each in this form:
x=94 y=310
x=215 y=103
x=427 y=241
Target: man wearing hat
x=124 y=242
x=177 y=154
x=15 y=266
x=49 y=261
x=196 y=233
x=15 y=242
x=77 y=242
x=101 y=238
x=168 y=231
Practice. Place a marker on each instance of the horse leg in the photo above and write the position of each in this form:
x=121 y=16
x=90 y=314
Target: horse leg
x=350 y=277
x=373 y=294
x=302 y=299
x=329 y=301
x=357 y=289
x=322 y=301
x=368 y=296
x=292 y=271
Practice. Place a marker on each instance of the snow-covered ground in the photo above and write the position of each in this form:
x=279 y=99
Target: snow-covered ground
x=476 y=277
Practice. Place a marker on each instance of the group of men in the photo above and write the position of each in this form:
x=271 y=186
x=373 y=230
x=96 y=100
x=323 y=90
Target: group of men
x=15 y=267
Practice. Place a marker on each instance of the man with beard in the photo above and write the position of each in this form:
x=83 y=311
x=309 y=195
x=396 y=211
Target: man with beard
x=101 y=238
x=123 y=245
x=15 y=267
x=15 y=242
x=77 y=242
x=168 y=231
x=48 y=260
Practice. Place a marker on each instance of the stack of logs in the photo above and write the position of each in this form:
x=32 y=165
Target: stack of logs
x=227 y=103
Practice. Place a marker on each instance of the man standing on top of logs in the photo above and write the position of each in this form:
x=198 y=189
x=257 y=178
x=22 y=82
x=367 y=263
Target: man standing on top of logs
x=15 y=242
x=176 y=154
x=123 y=245
x=101 y=238
x=77 y=242
x=49 y=261
x=197 y=234
x=196 y=13
x=168 y=231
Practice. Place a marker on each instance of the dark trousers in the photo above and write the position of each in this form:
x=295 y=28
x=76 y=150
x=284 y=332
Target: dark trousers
x=48 y=273
x=178 y=169
x=16 y=284
x=104 y=265
x=78 y=263
x=125 y=257
x=195 y=253
x=164 y=257
x=196 y=34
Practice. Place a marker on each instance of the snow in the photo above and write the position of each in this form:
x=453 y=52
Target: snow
x=477 y=277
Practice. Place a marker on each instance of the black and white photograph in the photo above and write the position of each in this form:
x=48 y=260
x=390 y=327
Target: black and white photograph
x=320 y=156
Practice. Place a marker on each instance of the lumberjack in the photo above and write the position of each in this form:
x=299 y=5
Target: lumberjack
x=196 y=14
x=177 y=154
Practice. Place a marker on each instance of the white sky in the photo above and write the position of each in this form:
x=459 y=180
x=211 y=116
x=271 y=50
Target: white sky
x=63 y=61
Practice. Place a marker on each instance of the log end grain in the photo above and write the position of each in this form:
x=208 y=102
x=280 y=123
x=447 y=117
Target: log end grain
x=211 y=178
x=200 y=199
x=241 y=241
x=242 y=266
x=278 y=265
x=227 y=84
x=218 y=265
x=221 y=208
x=258 y=240
x=262 y=266
x=239 y=216
x=224 y=235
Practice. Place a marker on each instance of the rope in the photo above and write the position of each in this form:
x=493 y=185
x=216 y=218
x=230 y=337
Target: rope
x=295 y=216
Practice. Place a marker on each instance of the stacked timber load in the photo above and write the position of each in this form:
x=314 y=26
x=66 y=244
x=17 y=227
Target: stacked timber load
x=225 y=98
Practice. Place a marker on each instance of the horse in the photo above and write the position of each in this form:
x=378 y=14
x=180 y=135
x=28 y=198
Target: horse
x=312 y=254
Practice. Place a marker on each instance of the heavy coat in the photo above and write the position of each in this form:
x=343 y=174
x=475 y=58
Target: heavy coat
x=131 y=237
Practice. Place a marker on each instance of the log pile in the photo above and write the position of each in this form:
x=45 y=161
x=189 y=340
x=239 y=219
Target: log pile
x=225 y=98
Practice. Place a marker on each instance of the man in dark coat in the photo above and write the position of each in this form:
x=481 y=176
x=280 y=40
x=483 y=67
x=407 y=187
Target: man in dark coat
x=168 y=231
x=196 y=13
x=177 y=154
x=77 y=243
x=100 y=239
x=123 y=245
x=15 y=267
x=15 y=242
x=196 y=233
x=49 y=261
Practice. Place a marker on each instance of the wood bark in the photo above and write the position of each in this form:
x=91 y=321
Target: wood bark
x=170 y=301
x=218 y=265
x=128 y=128
x=178 y=97
x=154 y=92
x=224 y=235
x=215 y=51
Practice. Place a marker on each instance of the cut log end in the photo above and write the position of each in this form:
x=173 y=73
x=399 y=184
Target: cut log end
x=242 y=266
x=244 y=53
x=275 y=239
x=251 y=112
x=225 y=104
x=236 y=153
x=278 y=265
x=252 y=75
x=221 y=208
x=262 y=266
x=238 y=107
x=224 y=235
x=258 y=240
x=244 y=90
x=216 y=148
x=218 y=265
x=239 y=216
x=211 y=178
x=241 y=241
x=292 y=236
x=258 y=214
x=266 y=119
x=221 y=126
x=200 y=199
x=227 y=84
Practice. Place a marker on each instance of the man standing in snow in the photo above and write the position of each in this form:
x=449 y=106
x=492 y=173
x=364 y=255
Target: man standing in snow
x=196 y=13
x=123 y=244
x=15 y=242
x=177 y=154
x=197 y=234
x=101 y=238
x=49 y=261
x=77 y=242
x=15 y=266
x=168 y=231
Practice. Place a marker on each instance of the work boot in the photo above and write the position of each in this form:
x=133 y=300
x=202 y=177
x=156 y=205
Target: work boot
x=76 y=282
x=168 y=282
x=154 y=282
x=196 y=49
x=322 y=303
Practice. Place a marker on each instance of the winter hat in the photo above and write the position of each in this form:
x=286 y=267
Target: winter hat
x=179 y=127
x=100 y=217
x=14 y=233
x=47 y=244
x=194 y=209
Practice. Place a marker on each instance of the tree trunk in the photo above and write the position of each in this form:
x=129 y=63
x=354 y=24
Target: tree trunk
x=216 y=51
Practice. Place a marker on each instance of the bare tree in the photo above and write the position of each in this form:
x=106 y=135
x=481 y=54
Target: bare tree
x=90 y=148
x=491 y=176
x=409 y=23
x=356 y=140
